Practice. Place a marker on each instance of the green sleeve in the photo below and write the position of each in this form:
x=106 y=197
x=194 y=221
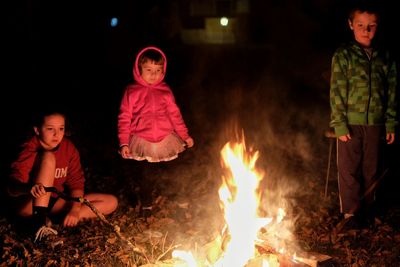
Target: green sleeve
x=391 y=111
x=339 y=94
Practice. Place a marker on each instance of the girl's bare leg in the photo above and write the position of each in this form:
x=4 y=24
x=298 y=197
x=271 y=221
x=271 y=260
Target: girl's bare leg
x=104 y=203
x=45 y=176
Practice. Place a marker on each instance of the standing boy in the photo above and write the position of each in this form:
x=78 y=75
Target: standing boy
x=363 y=112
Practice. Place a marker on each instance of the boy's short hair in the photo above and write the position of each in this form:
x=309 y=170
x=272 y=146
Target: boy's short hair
x=152 y=56
x=362 y=6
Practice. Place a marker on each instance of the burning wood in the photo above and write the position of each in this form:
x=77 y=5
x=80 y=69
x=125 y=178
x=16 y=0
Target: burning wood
x=309 y=259
x=315 y=259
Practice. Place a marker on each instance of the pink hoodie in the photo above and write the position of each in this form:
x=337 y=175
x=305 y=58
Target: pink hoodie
x=149 y=111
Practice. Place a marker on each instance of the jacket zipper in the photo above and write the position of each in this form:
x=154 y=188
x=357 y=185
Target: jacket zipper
x=369 y=82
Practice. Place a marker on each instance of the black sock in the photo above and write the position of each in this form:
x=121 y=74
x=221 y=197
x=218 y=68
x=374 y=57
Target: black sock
x=38 y=217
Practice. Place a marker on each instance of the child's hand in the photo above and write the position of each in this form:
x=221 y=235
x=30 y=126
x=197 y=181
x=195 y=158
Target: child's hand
x=38 y=190
x=124 y=151
x=72 y=218
x=389 y=138
x=189 y=142
x=345 y=138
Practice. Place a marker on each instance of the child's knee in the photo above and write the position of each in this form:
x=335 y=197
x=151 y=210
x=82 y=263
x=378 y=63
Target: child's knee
x=48 y=159
x=114 y=201
x=47 y=168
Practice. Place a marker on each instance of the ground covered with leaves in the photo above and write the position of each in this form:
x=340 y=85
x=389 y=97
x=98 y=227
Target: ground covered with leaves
x=182 y=212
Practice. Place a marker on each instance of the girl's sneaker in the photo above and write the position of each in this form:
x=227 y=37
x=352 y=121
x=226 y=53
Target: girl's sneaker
x=44 y=232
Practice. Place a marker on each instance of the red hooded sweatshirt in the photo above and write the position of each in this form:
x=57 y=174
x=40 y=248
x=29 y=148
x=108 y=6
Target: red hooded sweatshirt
x=68 y=167
x=149 y=111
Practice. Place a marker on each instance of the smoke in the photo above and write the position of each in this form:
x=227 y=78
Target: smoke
x=281 y=110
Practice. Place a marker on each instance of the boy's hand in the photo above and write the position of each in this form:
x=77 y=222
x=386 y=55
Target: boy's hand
x=389 y=138
x=189 y=142
x=124 y=151
x=38 y=190
x=345 y=138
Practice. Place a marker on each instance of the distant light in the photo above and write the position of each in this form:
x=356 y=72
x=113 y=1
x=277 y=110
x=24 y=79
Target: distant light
x=114 y=22
x=224 y=21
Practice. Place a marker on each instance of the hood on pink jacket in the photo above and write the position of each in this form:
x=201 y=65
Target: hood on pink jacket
x=136 y=71
x=149 y=111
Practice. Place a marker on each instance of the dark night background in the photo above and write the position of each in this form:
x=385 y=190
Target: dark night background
x=273 y=82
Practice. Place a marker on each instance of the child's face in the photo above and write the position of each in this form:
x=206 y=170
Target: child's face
x=51 y=132
x=151 y=72
x=364 y=26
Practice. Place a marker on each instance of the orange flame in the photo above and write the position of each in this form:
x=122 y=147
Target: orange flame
x=240 y=202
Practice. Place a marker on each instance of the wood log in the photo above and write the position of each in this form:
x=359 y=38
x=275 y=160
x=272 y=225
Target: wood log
x=314 y=259
x=311 y=259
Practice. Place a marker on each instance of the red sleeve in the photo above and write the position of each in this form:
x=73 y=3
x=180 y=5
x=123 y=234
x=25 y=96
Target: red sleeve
x=22 y=167
x=76 y=177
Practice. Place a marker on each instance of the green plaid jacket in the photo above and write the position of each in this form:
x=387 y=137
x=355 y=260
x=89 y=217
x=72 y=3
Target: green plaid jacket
x=362 y=90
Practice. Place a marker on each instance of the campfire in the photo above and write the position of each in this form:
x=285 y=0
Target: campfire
x=247 y=238
x=245 y=233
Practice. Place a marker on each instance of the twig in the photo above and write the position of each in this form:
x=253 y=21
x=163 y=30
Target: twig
x=165 y=252
x=116 y=228
x=164 y=240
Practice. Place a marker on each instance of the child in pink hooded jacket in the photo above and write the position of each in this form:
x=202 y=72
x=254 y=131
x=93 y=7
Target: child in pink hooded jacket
x=150 y=124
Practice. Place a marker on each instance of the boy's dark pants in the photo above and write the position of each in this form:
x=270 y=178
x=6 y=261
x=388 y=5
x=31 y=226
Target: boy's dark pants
x=359 y=167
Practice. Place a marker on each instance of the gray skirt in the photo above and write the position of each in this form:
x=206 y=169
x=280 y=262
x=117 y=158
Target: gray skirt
x=165 y=150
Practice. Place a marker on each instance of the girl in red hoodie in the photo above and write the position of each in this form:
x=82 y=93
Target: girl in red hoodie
x=150 y=124
x=49 y=159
